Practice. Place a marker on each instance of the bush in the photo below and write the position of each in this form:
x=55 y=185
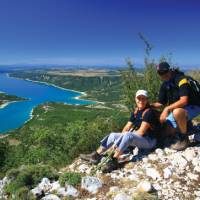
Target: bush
x=70 y=178
x=28 y=177
x=147 y=80
x=23 y=193
x=3 y=151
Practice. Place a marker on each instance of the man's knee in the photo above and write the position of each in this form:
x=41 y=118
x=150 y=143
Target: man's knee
x=179 y=113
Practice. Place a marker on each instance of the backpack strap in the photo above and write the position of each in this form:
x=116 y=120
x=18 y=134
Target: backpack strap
x=143 y=113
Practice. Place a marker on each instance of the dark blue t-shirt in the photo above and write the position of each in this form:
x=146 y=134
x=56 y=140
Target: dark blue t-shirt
x=149 y=117
x=176 y=87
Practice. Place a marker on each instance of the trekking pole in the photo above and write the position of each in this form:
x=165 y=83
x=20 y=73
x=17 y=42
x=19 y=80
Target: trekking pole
x=103 y=162
x=108 y=157
x=110 y=154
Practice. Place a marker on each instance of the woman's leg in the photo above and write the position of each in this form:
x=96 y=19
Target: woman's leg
x=108 y=141
x=132 y=139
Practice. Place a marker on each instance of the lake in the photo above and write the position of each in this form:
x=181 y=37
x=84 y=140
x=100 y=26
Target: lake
x=16 y=114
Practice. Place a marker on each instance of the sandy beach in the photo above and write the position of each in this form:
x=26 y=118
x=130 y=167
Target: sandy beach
x=6 y=104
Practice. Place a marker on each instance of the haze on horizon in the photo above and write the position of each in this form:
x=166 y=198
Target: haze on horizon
x=98 y=32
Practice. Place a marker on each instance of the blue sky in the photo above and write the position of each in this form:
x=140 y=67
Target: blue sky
x=98 y=32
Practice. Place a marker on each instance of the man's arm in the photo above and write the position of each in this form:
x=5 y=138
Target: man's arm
x=178 y=104
x=156 y=105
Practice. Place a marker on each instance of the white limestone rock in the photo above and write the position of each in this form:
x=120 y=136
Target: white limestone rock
x=189 y=154
x=45 y=185
x=153 y=157
x=169 y=151
x=55 y=186
x=114 y=189
x=180 y=161
x=84 y=168
x=197 y=169
x=145 y=160
x=167 y=173
x=62 y=192
x=193 y=176
x=133 y=177
x=153 y=173
x=37 y=191
x=197 y=193
x=122 y=196
x=145 y=186
x=51 y=197
x=71 y=191
x=91 y=184
x=196 y=162
x=157 y=186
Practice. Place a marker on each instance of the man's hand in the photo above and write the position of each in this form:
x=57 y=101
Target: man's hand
x=164 y=115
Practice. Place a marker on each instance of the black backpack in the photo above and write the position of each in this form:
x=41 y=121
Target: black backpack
x=195 y=85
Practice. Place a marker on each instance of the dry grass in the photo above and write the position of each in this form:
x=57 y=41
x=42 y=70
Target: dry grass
x=145 y=196
x=195 y=74
x=82 y=73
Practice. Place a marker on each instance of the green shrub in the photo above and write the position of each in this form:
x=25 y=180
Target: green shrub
x=23 y=193
x=28 y=177
x=70 y=178
x=3 y=151
x=147 y=80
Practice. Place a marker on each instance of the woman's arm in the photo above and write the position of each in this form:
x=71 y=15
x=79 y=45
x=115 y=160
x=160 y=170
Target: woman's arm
x=127 y=127
x=143 y=128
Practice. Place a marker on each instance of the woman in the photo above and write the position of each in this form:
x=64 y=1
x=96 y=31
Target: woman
x=139 y=131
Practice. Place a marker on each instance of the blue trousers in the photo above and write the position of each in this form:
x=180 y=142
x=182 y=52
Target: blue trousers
x=122 y=142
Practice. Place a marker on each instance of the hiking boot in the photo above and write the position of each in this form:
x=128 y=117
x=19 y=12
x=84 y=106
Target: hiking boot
x=93 y=158
x=110 y=166
x=180 y=142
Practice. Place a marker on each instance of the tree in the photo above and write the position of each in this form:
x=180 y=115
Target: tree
x=148 y=80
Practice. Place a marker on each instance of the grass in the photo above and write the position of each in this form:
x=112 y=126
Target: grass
x=71 y=178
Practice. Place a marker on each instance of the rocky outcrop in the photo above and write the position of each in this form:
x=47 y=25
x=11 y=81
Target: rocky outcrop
x=162 y=174
x=166 y=173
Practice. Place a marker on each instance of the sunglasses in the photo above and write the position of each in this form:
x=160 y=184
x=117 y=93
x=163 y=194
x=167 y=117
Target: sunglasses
x=162 y=72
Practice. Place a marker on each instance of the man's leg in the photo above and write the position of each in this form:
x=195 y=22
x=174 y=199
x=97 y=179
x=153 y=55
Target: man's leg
x=178 y=120
x=181 y=116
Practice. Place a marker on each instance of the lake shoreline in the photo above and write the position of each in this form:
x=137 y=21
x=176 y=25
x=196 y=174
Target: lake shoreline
x=51 y=84
x=6 y=103
x=82 y=94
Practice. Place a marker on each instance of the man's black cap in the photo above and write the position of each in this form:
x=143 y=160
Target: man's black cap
x=163 y=68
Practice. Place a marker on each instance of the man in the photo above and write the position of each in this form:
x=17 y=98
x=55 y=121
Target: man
x=181 y=103
x=145 y=124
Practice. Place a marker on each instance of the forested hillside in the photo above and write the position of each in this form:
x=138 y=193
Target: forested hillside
x=106 y=88
x=57 y=134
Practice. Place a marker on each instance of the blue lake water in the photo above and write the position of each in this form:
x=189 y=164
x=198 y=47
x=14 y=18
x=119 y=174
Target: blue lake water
x=16 y=114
